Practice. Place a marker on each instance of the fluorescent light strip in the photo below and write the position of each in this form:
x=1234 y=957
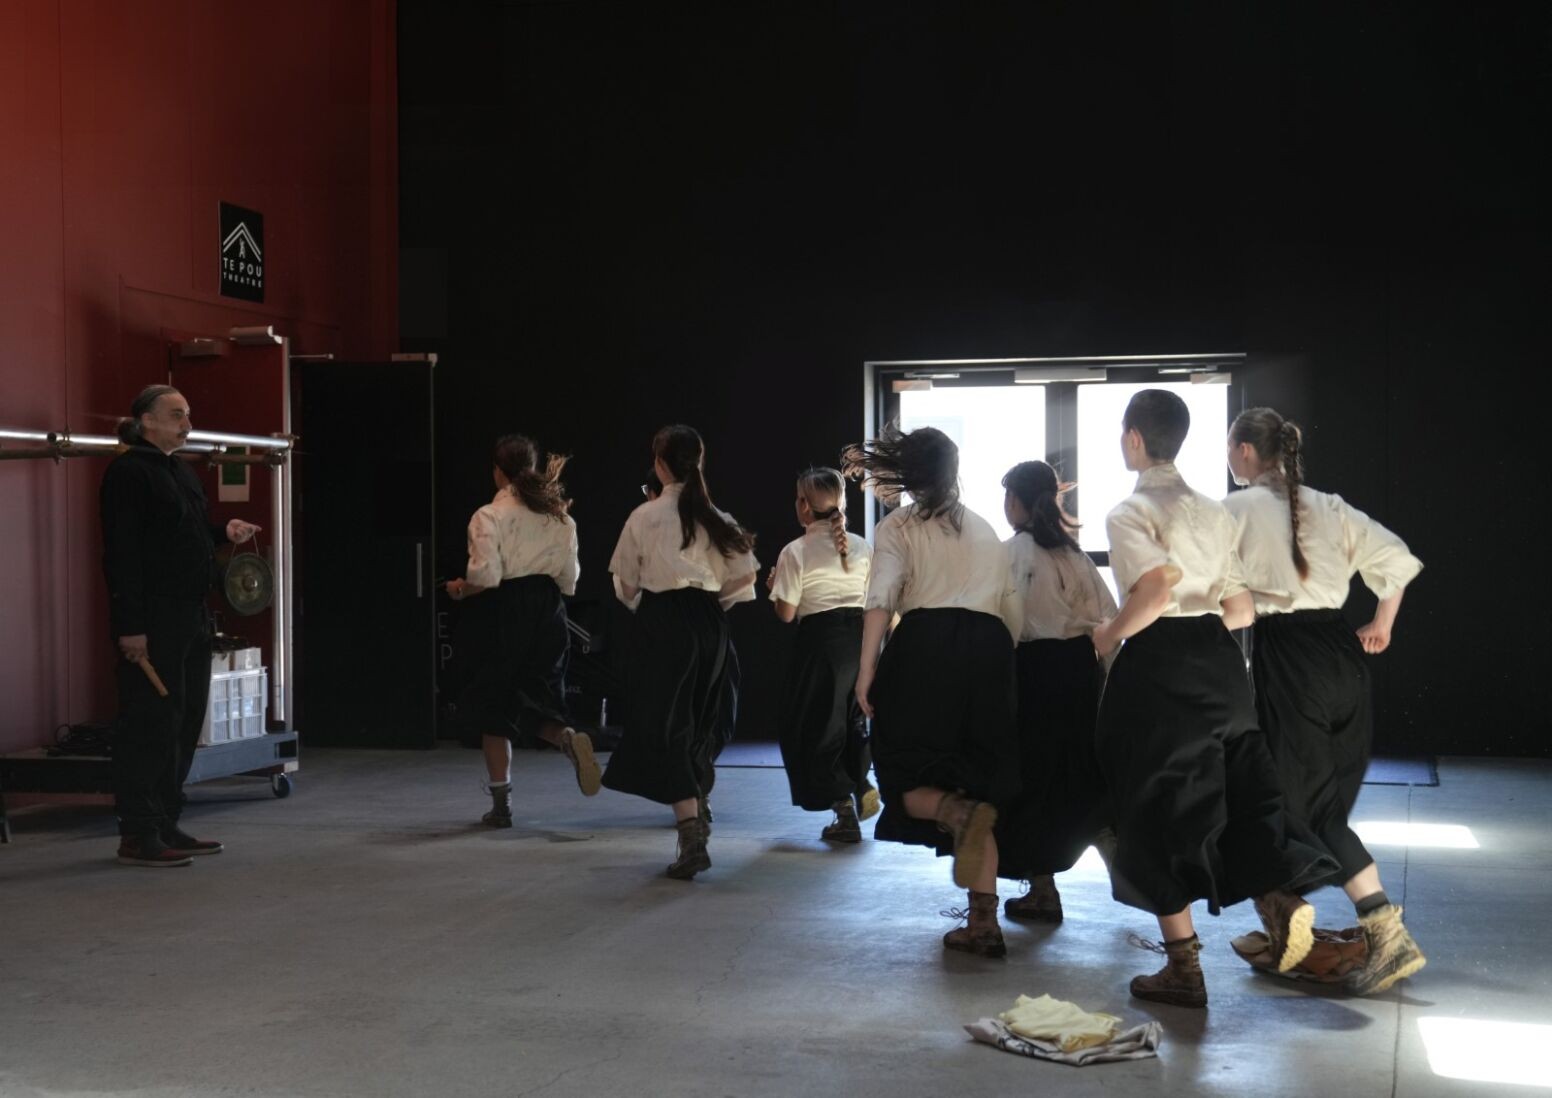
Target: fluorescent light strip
x=1517 y=1053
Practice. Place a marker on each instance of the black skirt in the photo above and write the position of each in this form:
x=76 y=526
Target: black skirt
x=727 y=713
x=522 y=684
x=943 y=717
x=676 y=680
x=1313 y=701
x=823 y=736
x=1198 y=811
x=1064 y=802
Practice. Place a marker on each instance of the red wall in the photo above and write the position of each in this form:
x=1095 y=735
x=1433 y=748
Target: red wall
x=121 y=128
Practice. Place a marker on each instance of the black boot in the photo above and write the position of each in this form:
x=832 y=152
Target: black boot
x=846 y=828
x=693 y=857
x=500 y=814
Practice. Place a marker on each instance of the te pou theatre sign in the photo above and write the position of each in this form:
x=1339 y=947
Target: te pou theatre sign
x=242 y=253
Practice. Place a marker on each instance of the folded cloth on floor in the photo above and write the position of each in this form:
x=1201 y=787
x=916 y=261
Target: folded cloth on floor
x=1066 y=1024
x=1141 y=1043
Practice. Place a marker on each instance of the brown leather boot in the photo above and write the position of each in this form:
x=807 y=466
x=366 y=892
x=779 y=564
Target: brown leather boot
x=970 y=822
x=693 y=857
x=1393 y=955
x=846 y=828
x=1041 y=904
x=1180 y=981
x=982 y=936
x=1290 y=924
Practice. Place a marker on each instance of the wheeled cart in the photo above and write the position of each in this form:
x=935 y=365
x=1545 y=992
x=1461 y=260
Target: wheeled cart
x=272 y=756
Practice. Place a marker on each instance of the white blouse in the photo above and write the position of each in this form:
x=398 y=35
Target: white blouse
x=1062 y=592
x=648 y=555
x=810 y=575
x=1166 y=523
x=924 y=565
x=1338 y=540
x=507 y=540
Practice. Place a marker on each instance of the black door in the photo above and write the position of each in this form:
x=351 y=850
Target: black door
x=365 y=515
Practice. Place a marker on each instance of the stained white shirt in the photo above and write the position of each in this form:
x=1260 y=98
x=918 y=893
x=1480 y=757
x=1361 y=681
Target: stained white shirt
x=1166 y=523
x=507 y=540
x=1338 y=541
x=926 y=564
x=1063 y=594
x=650 y=555
x=811 y=576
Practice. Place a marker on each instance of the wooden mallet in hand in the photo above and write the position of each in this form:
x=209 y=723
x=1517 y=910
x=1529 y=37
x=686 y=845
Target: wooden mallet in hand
x=150 y=673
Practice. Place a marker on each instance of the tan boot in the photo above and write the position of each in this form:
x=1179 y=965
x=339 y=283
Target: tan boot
x=1290 y=924
x=868 y=804
x=1041 y=904
x=578 y=747
x=693 y=856
x=1393 y=955
x=1180 y=981
x=982 y=936
x=971 y=823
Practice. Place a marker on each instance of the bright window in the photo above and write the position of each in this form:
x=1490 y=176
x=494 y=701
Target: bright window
x=1103 y=479
x=996 y=427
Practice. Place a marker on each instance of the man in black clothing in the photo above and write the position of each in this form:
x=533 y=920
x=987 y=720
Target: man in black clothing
x=159 y=558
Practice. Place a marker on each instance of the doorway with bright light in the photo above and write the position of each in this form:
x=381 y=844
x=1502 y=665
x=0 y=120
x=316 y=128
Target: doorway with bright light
x=1064 y=411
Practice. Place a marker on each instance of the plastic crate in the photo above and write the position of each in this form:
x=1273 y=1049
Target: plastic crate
x=239 y=704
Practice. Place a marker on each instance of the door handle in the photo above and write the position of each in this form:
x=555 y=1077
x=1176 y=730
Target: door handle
x=420 y=570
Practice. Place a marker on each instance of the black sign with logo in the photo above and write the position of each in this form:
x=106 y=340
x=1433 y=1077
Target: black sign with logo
x=242 y=253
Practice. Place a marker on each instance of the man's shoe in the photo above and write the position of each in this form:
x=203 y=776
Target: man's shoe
x=181 y=842
x=151 y=852
x=868 y=803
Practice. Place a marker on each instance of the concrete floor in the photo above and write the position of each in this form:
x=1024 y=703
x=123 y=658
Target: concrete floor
x=365 y=938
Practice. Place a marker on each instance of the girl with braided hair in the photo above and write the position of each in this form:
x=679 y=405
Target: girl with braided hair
x=941 y=696
x=820 y=581
x=1300 y=549
x=687 y=562
x=523 y=547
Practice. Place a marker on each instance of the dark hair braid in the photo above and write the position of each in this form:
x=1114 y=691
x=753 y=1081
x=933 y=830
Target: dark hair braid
x=1279 y=444
x=825 y=491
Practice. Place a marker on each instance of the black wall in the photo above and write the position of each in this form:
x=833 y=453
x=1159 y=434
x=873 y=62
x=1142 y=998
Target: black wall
x=615 y=217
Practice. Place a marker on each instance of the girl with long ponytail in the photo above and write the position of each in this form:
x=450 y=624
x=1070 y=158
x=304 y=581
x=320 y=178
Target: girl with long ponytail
x=1064 y=805
x=820 y=581
x=686 y=562
x=1300 y=549
x=523 y=546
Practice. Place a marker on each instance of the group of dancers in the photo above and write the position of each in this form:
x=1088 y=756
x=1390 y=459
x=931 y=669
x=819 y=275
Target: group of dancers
x=1013 y=714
